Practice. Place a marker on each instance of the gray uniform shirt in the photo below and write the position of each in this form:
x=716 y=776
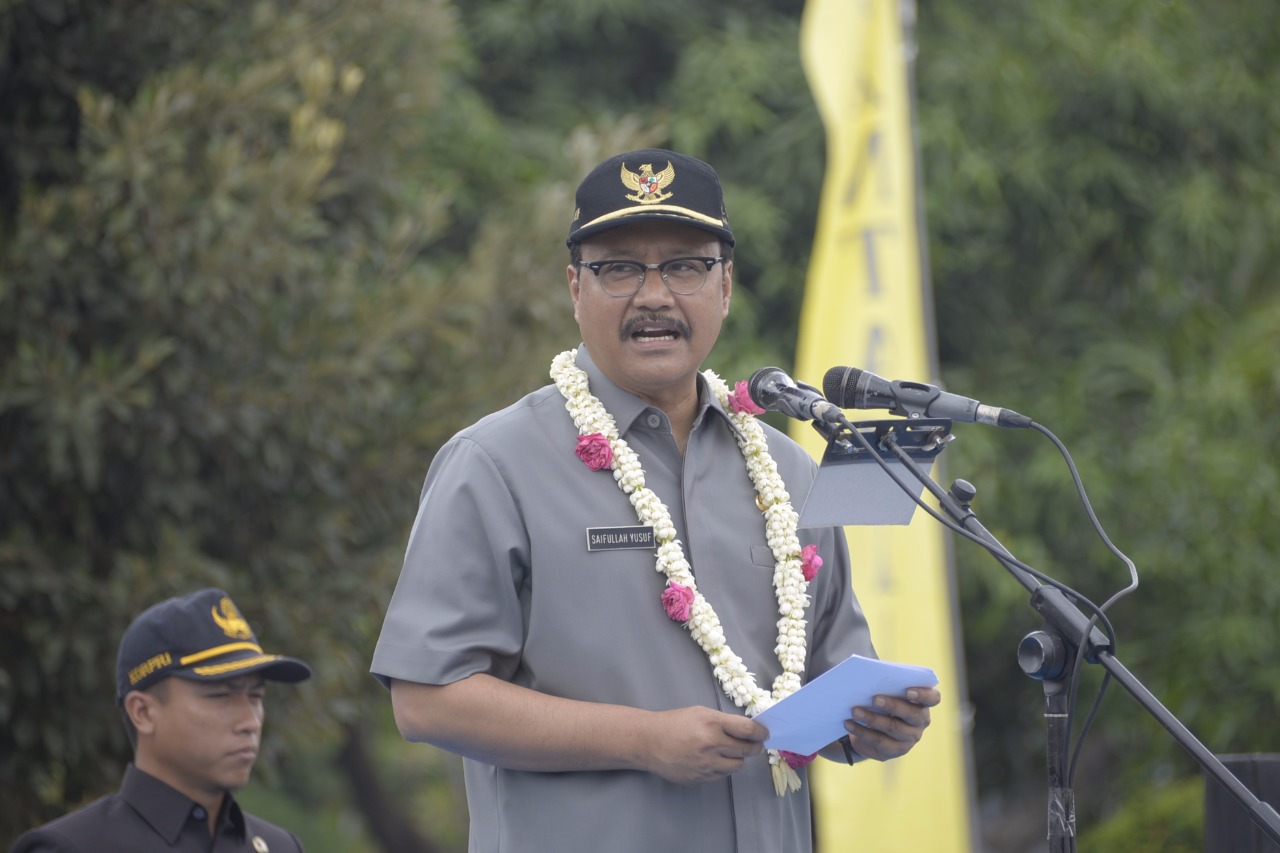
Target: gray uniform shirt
x=498 y=579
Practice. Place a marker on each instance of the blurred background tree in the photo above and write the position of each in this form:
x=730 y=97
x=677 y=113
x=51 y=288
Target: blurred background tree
x=1099 y=190
x=257 y=261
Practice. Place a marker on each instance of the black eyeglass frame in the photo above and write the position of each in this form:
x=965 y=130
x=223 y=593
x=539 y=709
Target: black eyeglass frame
x=643 y=270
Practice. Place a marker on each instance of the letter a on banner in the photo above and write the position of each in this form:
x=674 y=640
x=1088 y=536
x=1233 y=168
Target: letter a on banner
x=866 y=304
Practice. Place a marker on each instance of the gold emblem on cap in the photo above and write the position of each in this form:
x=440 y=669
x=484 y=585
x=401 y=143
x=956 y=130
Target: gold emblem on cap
x=260 y=845
x=230 y=620
x=648 y=187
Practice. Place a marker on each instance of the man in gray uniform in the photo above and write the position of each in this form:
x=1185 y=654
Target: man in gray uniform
x=600 y=704
x=189 y=680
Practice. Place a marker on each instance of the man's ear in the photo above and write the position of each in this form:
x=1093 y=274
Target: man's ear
x=573 y=274
x=140 y=708
x=726 y=293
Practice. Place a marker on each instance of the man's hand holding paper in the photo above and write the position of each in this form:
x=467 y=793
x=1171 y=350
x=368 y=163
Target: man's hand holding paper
x=892 y=726
x=882 y=706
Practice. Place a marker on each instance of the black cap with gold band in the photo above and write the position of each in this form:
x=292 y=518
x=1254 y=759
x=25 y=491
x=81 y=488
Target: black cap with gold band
x=645 y=185
x=200 y=636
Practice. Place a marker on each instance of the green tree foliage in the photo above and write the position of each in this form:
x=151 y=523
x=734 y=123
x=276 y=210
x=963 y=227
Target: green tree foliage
x=221 y=340
x=1102 y=233
x=1165 y=819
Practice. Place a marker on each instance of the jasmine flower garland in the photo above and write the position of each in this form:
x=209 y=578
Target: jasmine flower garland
x=683 y=602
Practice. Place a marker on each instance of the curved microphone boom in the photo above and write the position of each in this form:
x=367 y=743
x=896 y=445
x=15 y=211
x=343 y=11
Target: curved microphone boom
x=852 y=388
x=770 y=388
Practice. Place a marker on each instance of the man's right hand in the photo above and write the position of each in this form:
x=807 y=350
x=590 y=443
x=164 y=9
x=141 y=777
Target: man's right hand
x=700 y=744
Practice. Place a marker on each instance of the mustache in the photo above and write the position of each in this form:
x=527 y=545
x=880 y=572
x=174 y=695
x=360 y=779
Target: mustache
x=639 y=321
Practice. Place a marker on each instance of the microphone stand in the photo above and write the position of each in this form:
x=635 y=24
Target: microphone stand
x=1047 y=655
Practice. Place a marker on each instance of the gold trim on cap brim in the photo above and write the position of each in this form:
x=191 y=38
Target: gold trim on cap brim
x=219 y=650
x=232 y=666
x=655 y=209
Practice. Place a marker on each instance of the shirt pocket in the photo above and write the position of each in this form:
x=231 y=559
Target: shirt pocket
x=762 y=555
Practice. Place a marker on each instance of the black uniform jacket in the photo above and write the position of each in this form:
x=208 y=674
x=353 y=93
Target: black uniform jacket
x=146 y=815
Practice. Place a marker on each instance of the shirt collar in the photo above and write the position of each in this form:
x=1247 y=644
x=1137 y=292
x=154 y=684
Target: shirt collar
x=625 y=407
x=168 y=810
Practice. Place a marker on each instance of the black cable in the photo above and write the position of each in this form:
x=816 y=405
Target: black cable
x=1082 y=645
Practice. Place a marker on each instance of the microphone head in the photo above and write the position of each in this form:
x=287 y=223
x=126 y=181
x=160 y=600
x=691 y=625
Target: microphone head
x=840 y=386
x=763 y=385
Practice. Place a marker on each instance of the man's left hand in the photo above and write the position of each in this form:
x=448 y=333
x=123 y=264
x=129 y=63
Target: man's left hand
x=892 y=726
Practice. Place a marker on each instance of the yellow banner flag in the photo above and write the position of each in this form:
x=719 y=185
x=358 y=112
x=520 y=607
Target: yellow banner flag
x=866 y=306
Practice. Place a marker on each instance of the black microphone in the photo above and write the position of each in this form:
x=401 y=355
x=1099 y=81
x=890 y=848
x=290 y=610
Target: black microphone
x=774 y=390
x=851 y=388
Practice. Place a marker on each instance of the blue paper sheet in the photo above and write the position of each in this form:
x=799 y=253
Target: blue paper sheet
x=814 y=715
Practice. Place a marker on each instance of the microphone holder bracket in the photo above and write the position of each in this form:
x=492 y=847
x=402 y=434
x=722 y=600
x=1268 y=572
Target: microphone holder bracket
x=861 y=479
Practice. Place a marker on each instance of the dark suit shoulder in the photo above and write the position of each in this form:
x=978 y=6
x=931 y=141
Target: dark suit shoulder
x=84 y=830
x=110 y=825
x=278 y=839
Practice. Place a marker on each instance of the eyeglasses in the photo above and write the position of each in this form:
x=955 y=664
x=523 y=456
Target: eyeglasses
x=682 y=276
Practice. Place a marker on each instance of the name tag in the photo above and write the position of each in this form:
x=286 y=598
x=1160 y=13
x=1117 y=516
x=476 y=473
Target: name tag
x=614 y=538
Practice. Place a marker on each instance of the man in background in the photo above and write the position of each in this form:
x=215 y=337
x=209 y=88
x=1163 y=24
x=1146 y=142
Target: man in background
x=190 y=678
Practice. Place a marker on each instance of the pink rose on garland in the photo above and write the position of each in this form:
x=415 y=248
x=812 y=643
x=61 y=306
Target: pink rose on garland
x=740 y=400
x=677 y=600
x=795 y=760
x=594 y=450
x=810 y=562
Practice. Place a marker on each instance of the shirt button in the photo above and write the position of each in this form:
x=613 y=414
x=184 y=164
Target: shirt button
x=654 y=420
x=198 y=813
